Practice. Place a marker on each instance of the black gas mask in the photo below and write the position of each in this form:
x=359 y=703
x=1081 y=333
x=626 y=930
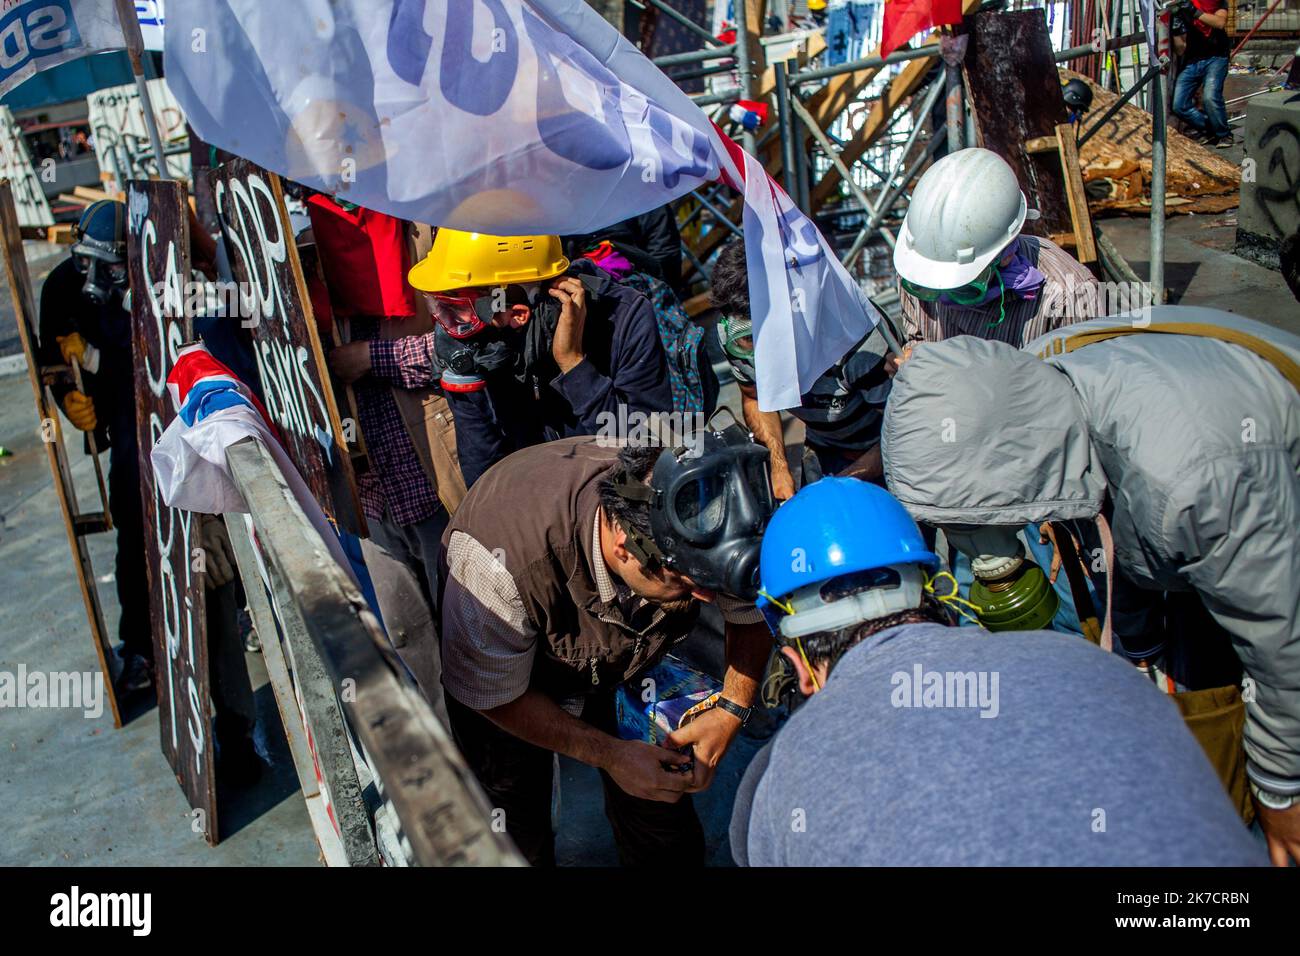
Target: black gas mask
x=467 y=363
x=104 y=274
x=709 y=503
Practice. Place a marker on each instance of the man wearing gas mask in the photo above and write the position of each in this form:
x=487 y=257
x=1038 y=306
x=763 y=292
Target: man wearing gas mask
x=841 y=412
x=551 y=601
x=1178 y=428
x=82 y=319
x=527 y=346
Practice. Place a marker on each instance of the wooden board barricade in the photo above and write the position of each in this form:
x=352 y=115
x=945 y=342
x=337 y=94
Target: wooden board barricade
x=117 y=124
x=290 y=361
x=1015 y=94
x=76 y=523
x=30 y=202
x=158 y=251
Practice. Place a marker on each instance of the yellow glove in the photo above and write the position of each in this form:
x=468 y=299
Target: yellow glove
x=72 y=346
x=80 y=410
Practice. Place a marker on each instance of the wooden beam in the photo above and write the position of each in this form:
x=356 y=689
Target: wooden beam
x=1085 y=244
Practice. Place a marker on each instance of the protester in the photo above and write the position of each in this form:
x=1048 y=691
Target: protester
x=842 y=411
x=570 y=568
x=82 y=318
x=529 y=347
x=363 y=255
x=694 y=383
x=1178 y=429
x=965 y=268
x=650 y=241
x=892 y=761
x=1204 y=66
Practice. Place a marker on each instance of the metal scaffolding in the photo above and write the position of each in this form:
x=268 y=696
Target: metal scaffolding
x=807 y=143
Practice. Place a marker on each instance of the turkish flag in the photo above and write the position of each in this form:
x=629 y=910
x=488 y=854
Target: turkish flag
x=904 y=19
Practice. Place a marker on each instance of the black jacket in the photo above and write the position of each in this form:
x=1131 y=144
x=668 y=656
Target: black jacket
x=624 y=365
x=65 y=309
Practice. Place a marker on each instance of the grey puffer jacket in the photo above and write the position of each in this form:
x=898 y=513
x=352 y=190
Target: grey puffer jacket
x=1195 y=441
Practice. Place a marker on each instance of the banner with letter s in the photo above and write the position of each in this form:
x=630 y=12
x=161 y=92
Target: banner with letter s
x=507 y=117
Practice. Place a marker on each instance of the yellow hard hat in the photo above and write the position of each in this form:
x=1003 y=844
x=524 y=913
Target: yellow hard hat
x=464 y=259
x=816 y=4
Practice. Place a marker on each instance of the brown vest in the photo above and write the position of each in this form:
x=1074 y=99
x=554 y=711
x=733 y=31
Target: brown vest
x=536 y=510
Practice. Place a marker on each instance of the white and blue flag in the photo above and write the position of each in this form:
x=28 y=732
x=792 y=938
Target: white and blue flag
x=507 y=117
x=38 y=34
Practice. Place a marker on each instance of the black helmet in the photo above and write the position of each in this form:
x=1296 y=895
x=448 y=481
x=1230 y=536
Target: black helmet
x=1078 y=95
x=100 y=249
x=101 y=231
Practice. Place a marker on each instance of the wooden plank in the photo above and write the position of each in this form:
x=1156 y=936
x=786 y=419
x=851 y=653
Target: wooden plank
x=158 y=250
x=20 y=287
x=1043 y=144
x=273 y=631
x=286 y=343
x=88 y=192
x=1081 y=219
x=1015 y=93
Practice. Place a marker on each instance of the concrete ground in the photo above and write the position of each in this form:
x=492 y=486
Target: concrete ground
x=72 y=789
x=1200 y=268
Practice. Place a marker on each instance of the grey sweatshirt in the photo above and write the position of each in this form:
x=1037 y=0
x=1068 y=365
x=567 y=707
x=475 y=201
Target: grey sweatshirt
x=932 y=745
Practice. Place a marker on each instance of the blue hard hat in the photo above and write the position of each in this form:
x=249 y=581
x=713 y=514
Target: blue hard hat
x=834 y=527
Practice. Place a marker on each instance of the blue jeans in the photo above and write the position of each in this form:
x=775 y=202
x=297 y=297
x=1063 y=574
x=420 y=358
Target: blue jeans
x=1209 y=75
x=839 y=33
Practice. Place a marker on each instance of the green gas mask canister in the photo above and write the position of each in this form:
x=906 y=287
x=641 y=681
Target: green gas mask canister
x=1010 y=590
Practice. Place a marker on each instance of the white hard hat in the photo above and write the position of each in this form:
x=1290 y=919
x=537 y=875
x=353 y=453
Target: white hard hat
x=964 y=211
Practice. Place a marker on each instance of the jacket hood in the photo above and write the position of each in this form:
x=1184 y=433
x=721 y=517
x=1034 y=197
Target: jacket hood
x=980 y=433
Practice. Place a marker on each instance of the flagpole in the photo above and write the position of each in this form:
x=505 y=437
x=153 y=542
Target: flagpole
x=135 y=50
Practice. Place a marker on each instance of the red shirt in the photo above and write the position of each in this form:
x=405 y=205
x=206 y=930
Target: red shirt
x=363 y=256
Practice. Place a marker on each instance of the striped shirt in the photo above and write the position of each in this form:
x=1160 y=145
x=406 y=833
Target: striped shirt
x=1068 y=282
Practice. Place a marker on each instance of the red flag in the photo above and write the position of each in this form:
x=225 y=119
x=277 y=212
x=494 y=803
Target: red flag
x=904 y=19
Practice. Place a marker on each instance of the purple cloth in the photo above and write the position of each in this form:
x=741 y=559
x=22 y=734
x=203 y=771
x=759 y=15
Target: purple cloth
x=614 y=262
x=1019 y=276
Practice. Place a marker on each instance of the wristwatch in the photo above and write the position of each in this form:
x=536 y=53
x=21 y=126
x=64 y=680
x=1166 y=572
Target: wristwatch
x=735 y=710
x=1274 y=801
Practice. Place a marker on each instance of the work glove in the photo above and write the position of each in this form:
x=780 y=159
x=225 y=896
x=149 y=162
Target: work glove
x=1183 y=8
x=219 y=557
x=80 y=410
x=73 y=346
